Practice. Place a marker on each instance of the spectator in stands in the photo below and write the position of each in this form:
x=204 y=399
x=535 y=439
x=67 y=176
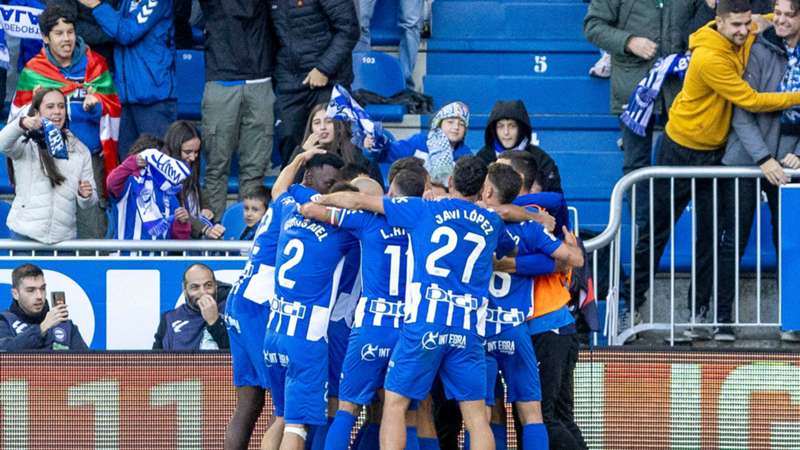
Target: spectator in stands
x=769 y=140
x=695 y=135
x=66 y=61
x=254 y=206
x=438 y=148
x=198 y=323
x=409 y=21
x=52 y=171
x=145 y=64
x=509 y=128
x=182 y=142
x=29 y=324
x=136 y=197
x=315 y=45
x=333 y=136
x=628 y=34
x=237 y=108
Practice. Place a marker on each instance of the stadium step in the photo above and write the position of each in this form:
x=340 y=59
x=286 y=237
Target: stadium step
x=524 y=63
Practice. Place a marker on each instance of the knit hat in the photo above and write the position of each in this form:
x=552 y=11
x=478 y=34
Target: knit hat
x=458 y=110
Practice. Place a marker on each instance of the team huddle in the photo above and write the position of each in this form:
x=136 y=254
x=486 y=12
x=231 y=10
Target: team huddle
x=350 y=295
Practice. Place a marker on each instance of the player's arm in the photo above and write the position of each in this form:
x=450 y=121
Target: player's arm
x=289 y=173
x=569 y=252
x=353 y=200
x=529 y=265
x=514 y=213
x=339 y=217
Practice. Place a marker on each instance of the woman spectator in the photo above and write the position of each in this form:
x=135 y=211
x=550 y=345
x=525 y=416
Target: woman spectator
x=182 y=142
x=51 y=171
x=333 y=136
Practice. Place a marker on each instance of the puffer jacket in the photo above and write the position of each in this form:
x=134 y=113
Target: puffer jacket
x=40 y=211
x=609 y=24
x=311 y=34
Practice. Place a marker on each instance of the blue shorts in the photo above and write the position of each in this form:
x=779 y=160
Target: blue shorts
x=365 y=364
x=338 y=335
x=246 y=322
x=513 y=355
x=298 y=372
x=425 y=350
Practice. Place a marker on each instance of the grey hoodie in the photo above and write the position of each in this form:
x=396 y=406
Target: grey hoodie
x=755 y=137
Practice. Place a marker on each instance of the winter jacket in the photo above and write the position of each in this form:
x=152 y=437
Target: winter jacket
x=312 y=34
x=192 y=334
x=416 y=145
x=238 y=41
x=755 y=138
x=515 y=109
x=145 y=51
x=609 y=24
x=700 y=117
x=20 y=331
x=40 y=211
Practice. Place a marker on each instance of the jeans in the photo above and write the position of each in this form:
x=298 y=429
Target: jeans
x=136 y=120
x=410 y=21
x=672 y=154
x=749 y=200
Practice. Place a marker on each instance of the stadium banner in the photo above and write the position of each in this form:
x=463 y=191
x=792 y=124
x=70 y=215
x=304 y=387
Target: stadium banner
x=117 y=302
x=790 y=256
x=624 y=399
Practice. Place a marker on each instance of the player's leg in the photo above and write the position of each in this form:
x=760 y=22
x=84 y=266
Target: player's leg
x=276 y=373
x=521 y=373
x=272 y=437
x=476 y=422
x=249 y=403
x=393 y=426
x=426 y=429
x=306 y=388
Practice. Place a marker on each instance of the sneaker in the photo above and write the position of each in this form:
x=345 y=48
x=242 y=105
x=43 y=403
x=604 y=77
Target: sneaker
x=602 y=68
x=724 y=334
x=790 y=336
x=699 y=333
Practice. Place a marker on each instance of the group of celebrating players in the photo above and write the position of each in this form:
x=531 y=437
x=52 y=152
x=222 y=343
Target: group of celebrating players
x=350 y=296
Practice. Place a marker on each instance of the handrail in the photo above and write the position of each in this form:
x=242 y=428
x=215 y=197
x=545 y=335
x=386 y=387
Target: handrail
x=624 y=183
x=113 y=245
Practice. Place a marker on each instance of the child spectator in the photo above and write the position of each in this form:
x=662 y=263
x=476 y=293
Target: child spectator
x=438 y=148
x=52 y=171
x=333 y=136
x=182 y=142
x=145 y=198
x=255 y=203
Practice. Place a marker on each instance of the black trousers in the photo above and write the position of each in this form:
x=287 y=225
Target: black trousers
x=672 y=154
x=292 y=109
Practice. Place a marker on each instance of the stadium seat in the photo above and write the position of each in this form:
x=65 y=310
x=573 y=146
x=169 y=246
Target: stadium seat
x=383 y=29
x=379 y=73
x=5 y=208
x=5 y=181
x=190 y=74
x=233 y=221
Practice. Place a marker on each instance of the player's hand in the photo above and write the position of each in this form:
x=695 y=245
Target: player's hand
x=569 y=238
x=55 y=316
x=90 y=101
x=762 y=24
x=208 y=309
x=791 y=161
x=182 y=215
x=215 y=232
x=315 y=79
x=85 y=189
x=314 y=211
x=304 y=157
x=140 y=162
x=32 y=122
x=369 y=142
x=642 y=47
x=506 y=264
x=774 y=172
x=547 y=221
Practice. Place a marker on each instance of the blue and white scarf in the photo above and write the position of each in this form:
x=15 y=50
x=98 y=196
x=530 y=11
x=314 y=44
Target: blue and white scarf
x=343 y=107
x=440 y=162
x=164 y=174
x=640 y=106
x=790 y=118
x=54 y=139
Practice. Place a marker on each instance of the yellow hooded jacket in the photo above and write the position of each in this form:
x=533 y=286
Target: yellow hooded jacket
x=700 y=117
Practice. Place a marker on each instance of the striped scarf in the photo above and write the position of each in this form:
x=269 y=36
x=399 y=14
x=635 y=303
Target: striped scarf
x=165 y=174
x=40 y=72
x=641 y=104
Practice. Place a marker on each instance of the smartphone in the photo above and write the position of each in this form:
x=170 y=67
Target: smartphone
x=58 y=298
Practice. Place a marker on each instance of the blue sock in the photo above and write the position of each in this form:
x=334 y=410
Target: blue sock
x=428 y=444
x=317 y=435
x=339 y=432
x=466 y=440
x=534 y=437
x=500 y=436
x=370 y=440
x=412 y=442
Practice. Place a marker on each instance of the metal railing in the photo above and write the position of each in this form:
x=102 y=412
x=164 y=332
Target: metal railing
x=112 y=247
x=612 y=237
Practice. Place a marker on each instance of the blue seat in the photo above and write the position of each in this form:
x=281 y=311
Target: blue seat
x=233 y=221
x=5 y=208
x=190 y=75
x=379 y=73
x=383 y=29
x=5 y=180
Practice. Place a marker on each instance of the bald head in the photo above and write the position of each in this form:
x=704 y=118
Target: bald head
x=367 y=186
